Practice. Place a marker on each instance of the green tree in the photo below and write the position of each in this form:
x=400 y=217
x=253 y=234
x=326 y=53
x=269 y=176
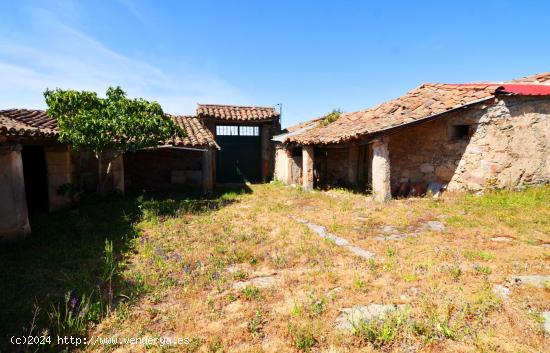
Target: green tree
x=108 y=126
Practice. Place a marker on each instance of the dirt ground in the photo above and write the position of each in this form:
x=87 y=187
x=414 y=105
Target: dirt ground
x=250 y=276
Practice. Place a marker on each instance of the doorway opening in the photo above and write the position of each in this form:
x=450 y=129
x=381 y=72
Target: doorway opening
x=36 y=178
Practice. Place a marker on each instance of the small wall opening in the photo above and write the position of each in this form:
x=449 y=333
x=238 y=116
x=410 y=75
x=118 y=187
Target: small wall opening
x=36 y=178
x=461 y=132
x=297 y=152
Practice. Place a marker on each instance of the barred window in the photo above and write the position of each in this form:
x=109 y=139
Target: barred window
x=222 y=130
x=228 y=130
x=249 y=131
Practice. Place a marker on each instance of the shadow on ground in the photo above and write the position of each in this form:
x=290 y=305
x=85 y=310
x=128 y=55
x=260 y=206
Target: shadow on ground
x=66 y=253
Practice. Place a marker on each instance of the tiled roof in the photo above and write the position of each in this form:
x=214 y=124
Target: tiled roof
x=422 y=102
x=542 y=78
x=236 y=113
x=197 y=134
x=27 y=122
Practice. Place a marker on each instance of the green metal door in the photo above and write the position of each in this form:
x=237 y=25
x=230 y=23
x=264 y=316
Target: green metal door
x=239 y=158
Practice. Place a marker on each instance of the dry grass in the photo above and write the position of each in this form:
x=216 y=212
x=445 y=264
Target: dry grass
x=189 y=261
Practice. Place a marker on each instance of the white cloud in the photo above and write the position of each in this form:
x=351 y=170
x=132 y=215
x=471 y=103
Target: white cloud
x=67 y=58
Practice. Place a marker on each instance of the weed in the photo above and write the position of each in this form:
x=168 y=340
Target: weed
x=73 y=315
x=486 y=270
x=316 y=306
x=215 y=345
x=239 y=275
x=484 y=302
x=455 y=271
x=251 y=293
x=383 y=330
x=409 y=277
x=231 y=297
x=330 y=117
x=478 y=255
x=303 y=337
x=255 y=324
x=359 y=283
x=435 y=325
x=194 y=345
x=373 y=266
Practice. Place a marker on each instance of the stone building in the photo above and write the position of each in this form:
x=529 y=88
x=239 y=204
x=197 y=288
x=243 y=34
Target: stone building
x=184 y=162
x=437 y=136
x=34 y=164
x=244 y=135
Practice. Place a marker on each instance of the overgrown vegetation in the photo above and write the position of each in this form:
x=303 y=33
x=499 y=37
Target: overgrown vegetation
x=331 y=117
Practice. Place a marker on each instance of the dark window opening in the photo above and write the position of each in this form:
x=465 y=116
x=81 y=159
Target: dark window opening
x=461 y=132
x=36 y=178
x=297 y=152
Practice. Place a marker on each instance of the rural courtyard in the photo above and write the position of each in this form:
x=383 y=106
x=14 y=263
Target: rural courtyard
x=274 y=176
x=237 y=274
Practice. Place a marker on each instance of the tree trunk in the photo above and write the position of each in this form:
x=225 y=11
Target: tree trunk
x=100 y=183
x=103 y=177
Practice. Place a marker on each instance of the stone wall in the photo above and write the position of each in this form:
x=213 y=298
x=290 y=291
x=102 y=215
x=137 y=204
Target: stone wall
x=14 y=222
x=331 y=167
x=60 y=172
x=288 y=167
x=282 y=164
x=163 y=169
x=268 y=130
x=508 y=145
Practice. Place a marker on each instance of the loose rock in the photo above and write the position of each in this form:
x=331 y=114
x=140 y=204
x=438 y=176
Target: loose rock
x=502 y=291
x=501 y=239
x=394 y=236
x=538 y=281
x=435 y=226
x=546 y=317
x=351 y=317
x=322 y=232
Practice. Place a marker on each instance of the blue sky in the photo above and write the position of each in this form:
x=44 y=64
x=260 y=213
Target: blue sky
x=311 y=56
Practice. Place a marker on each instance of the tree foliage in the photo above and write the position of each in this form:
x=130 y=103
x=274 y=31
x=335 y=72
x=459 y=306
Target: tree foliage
x=114 y=123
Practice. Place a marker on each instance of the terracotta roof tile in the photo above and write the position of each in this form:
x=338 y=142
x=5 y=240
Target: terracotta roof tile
x=542 y=78
x=197 y=134
x=27 y=122
x=236 y=113
x=425 y=101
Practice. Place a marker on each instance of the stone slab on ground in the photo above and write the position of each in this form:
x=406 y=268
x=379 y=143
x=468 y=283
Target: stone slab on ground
x=502 y=291
x=501 y=239
x=322 y=232
x=539 y=281
x=390 y=233
x=395 y=236
x=351 y=317
x=546 y=317
x=434 y=226
x=360 y=252
x=260 y=282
